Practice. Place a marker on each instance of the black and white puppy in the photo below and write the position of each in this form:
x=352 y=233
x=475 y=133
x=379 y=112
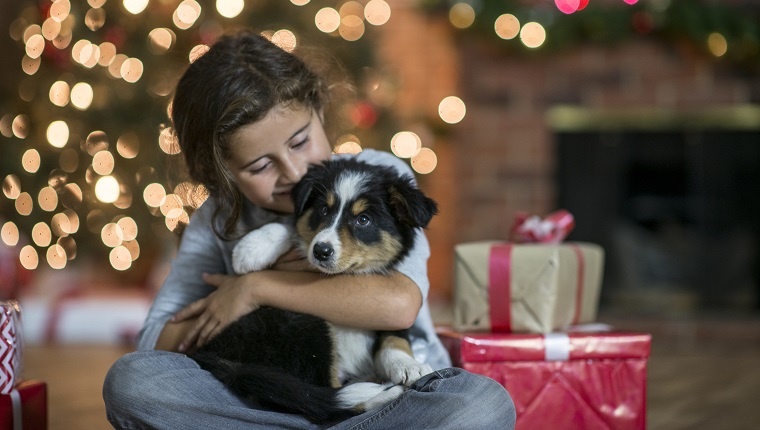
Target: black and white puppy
x=350 y=217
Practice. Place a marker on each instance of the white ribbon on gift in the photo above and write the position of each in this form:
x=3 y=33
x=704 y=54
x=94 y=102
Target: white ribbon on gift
x=17 y=410
x=556 y=347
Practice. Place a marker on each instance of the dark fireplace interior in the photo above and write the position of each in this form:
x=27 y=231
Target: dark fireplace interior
x=675 y=210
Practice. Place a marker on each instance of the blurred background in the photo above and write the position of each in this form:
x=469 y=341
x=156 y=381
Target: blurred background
x=642 y=118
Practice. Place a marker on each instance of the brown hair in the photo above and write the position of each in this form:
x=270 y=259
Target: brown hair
x=241 y=78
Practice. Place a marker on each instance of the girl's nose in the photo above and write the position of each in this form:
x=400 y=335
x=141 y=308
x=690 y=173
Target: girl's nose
x=292 y=170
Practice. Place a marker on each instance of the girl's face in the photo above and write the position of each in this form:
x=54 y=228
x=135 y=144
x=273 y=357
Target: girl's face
x=269 y=156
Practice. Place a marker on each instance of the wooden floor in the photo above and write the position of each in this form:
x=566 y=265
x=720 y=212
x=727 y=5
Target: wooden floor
x=703 y=374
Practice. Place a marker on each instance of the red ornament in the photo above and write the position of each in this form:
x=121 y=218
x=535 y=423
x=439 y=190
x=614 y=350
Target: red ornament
x=363 y=115
x=567 y=6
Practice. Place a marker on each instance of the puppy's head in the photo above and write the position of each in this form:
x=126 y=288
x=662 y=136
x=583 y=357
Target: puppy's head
x=353 y=217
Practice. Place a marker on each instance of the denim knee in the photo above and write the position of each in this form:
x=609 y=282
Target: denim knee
x=480 y=400
x=121 y=386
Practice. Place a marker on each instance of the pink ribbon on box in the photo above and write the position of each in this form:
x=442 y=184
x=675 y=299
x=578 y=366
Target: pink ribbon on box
x=10 y=345
x=554 y=228
x=499 y=290
x=527 y=229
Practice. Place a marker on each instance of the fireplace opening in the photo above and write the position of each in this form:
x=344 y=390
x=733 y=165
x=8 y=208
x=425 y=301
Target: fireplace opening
x=676 y=211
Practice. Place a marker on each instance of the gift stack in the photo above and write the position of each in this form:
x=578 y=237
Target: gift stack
x=23 y=404
x=524 y=315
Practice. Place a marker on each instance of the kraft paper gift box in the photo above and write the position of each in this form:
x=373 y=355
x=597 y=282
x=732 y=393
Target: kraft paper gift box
x=568 y=381
x=533 y=288
x=24 y=407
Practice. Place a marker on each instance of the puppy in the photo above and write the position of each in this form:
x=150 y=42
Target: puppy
x=350 y=217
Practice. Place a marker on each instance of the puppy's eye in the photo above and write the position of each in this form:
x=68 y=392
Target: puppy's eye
x=323 y=211
x=363 y=220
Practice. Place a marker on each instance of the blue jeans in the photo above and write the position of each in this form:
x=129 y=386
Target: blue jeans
x=166 y=390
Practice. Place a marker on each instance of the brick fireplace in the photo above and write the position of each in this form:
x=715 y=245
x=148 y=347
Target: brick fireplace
x=505 y=155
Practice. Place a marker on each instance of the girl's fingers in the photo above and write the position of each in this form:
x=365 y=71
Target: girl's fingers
x=208 y=332
x=191 y=338
x=192 y=310
x=214 y=279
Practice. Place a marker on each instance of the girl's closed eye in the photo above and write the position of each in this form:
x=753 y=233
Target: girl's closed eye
x=255 y=170
x=301 y=143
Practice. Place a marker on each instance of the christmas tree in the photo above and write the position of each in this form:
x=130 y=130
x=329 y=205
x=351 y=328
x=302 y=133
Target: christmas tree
x=87 y=139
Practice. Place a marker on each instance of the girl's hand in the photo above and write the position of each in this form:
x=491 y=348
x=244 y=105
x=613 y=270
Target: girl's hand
x=231 y=300
x=293 y=261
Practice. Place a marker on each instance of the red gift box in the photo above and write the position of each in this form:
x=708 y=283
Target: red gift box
x=29 y=409
x=566 y=381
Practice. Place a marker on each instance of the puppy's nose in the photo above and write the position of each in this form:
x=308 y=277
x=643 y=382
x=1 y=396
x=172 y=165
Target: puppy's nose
x=323 y=251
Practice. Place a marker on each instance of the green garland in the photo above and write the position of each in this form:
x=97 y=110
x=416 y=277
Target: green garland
x=606 y=23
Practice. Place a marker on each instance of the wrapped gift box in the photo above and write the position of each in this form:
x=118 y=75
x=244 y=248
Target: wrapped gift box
x=531 y=288
x=25 y=407
x=583 y=381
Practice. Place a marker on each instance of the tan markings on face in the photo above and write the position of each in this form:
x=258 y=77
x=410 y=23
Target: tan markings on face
x=356 y=256
x=395 y=342
x=305 y=233
x=330 y=200
x=359 y=206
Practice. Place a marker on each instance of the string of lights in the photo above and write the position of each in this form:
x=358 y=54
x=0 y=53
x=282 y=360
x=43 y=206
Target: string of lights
x=89 y=135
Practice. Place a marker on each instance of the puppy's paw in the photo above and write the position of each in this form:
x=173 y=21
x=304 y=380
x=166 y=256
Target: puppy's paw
x=260 y=248
x=408 y=372
x=398 y=367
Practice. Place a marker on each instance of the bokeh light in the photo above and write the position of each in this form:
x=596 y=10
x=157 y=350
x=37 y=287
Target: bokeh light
x=377 y=12
x=507 y=26
x=154 y=195
x=452 y=109
x=161 y=40
x=135 y=6
x=461 y=15
x=47 y=199
x=41 y=235
x=107 y=189
x=58 y=133
x=533 y=35
x=406 y=144
x=717 y=44
x=56 y=257
x=9 y=233
x=327 y=20
x=229 y=8
x=81 y=95
x=425 y=161
x=59 y=93
x=30 y=161
x=29 y=258
x=285 y=39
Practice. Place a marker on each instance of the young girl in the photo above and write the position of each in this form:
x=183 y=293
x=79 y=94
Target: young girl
x=249 y=118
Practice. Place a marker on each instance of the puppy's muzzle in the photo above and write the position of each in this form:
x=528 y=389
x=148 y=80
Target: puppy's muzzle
x=323 y=251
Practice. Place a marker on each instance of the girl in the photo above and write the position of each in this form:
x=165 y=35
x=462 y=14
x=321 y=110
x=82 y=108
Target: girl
x=249 y=119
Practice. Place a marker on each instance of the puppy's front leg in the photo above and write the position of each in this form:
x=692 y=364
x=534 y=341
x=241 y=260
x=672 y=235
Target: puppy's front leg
x=394 y=360
x=262 y=247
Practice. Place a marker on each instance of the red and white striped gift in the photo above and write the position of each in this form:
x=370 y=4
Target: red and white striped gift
x=10 y=345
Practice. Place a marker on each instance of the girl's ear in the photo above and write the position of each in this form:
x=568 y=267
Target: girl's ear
x=410 y=205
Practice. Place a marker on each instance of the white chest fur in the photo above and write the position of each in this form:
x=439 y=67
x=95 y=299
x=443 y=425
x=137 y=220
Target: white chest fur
x=355 y=362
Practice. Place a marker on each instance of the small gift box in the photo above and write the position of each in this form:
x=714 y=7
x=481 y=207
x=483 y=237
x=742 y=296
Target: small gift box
x=24 y=407
x=10 y=345
x=527 y=287
x=568 y=381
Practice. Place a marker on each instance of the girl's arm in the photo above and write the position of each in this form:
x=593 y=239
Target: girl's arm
x=373 y=302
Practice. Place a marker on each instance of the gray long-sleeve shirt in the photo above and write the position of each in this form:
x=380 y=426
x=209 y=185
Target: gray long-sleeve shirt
x=202 y=251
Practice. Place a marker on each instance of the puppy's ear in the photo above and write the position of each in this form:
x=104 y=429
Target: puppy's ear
x=409 y=204
x=303 y=190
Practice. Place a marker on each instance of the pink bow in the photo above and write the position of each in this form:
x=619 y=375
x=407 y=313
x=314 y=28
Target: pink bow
x=554 y=228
